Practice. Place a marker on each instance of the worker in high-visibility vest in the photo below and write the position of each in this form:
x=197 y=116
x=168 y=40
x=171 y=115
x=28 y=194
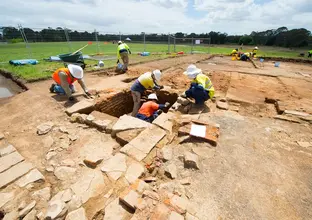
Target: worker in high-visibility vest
x=310 y=53
x=201 y=88
x=122 y=53
x=234 y=52
x=246 y=56
x=150 y=110
x=65 y=78
x=148 y=80
x=254 y=51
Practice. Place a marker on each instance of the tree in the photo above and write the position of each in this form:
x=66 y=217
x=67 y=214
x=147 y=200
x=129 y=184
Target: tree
x=246 y=40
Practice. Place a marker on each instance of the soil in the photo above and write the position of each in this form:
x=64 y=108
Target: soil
x=257 y=170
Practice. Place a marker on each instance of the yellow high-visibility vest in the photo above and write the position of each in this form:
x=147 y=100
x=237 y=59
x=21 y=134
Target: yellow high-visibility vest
x=205 y=82
x=121 y=47
x=146 y=80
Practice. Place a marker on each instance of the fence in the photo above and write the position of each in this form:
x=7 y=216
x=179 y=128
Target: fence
x=38 y=42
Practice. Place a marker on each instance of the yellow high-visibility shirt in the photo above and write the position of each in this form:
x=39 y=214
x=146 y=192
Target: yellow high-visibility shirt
x=146 y=80
x=121 y=47
x=247 y=54
x=205 y=82
x=234 y=52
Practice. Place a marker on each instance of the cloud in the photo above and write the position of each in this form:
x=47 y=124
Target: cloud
x=158 y=16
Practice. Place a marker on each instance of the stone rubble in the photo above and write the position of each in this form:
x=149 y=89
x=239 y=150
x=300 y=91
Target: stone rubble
x=55 y=209
x=42 y=194
x=78 y=214
x=115 y=166
x=5 y=197
x=27 y=209
x=191 y=160
x=64 y=173
x=129 y=198
x=114 y=211
x=171 y=171
x=44 y=128
x=167 y=153
x=222 y=105
x=1 y=136
x=175 y=216
x=10 y=160
x=134 y=171
x=7 y=150
x=84 y=106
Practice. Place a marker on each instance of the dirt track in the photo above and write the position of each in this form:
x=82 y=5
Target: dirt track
x=257 y=171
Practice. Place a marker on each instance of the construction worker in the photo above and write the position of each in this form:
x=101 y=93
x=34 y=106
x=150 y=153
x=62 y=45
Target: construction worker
x=122 y=53
x=255 y=50
x=201 y=88
x=310 y=53
x=246 y=56
x=146 y=81
x=65 y=77
x=150 y=110
x=234 y=52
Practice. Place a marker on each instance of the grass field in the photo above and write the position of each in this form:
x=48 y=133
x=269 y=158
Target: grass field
x=44 y=69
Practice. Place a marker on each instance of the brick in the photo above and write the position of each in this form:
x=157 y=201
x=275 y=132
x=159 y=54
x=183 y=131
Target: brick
x=10 y=160
x=140 y=146
x=14 y=173
x=84 y=106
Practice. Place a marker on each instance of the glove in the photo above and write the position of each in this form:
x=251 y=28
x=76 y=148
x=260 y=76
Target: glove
x=117 y=61
x=167 y=104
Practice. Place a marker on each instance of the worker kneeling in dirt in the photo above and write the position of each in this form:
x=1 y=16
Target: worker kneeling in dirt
x=146 y=81
x=65 y=77
x=150 y=110
x=122 y=53
x=201 y=88
x=246 y=56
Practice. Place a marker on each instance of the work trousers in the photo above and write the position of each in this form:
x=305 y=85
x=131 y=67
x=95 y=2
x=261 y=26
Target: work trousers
x=198 y=93
x=136 y=102
x=125 y=59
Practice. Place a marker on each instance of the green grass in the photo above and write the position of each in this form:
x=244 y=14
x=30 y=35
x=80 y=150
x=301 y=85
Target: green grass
x=44 y=69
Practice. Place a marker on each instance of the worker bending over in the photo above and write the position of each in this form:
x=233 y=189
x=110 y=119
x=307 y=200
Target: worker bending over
x=254 y=51
x=246 y=56
x=65 y=78
x=150 y=110
x=234 y=52
x=122 y=53
x=146 y=81
x=201 y=88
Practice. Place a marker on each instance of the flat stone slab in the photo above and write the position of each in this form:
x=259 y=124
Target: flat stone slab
x=7 y=150
x=10 y=160
x=124 y=137
x=63 y=172
x=5 y=197
x=42 y=194
x=115 y=166
x=126 y=122
x=296 y=113
x=130 y=198
x=27 y=209
x=103 y=116
x=84 y=106
x=165 y=121
x=32 y=176
x=140 y=146
x=222 y=105
x=287 y=118
x=78 y=214
x=14 y=173
x=134 y=171
x=89 y=185
x=114 y=211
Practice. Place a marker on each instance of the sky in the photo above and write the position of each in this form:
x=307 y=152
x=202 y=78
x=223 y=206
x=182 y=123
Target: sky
x=158 y=16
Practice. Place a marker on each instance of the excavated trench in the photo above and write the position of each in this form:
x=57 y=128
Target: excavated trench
x=120 y=103
x=9 y=85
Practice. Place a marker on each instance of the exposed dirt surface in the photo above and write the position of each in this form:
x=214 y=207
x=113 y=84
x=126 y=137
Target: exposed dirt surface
x=260 y=168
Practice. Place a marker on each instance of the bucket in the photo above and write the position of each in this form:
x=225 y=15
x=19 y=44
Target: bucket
x=181 y=52
x=277 y=64
x=233 y=58
x=261 y=60
x=119 y=66
x=145 y=54
x=101 y=63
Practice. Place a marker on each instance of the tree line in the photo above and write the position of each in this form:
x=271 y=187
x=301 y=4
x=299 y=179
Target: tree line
x=275 y=37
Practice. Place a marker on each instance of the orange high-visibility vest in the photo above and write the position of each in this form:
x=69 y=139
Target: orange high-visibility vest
x=57 y=79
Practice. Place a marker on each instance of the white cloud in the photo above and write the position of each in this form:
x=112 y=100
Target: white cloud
x=158 y=16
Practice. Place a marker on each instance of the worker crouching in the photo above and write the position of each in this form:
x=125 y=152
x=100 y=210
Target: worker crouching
x=65 y=78
x=146 y=81
x=122 y=53
x=201 y=88
x=150 y=110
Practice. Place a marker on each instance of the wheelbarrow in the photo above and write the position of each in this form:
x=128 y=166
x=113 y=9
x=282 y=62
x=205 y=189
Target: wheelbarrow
x=70 y=58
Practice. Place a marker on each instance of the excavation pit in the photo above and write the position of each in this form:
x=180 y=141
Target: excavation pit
x=121 y=103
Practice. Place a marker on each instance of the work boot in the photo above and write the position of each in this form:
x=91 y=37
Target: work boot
x=52 y=88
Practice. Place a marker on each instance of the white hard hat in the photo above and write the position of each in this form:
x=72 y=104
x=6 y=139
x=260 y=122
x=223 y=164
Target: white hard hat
x=256 y=48
x=157 y=75
x=152 y=96
x=192 y=71
x=75 y=71
x=120 y=42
